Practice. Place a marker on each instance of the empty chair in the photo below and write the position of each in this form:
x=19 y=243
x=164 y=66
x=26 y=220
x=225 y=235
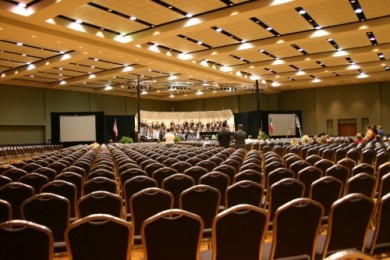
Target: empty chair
x=217 y=180
x=101 y=173
x=75 y=169
x=25 y=240
x=99 y=237
x=363 y=183
x=307 y=176
x=291 y=159
x=238 y=233
x=341 y=153
x=4 y=180
x=130 y=173
x=145 y=204
x=65 y=189
x=207 y=164
x=329 y=154
x=249 y=175
x=100 y=202
x=177 y=183
x=271 y=167
x=162 y=173
x=298 y=165
x=353 y=154
x=48 y=172
x=196 y=172
x=340 y=172
x=135 y=185
x=170 y=161
x=347 y=162
x=149 y=169
x=363 y=167
x=312 y=159
x=31 y=167
x=383 y=170
x=381 y=158
x=57 y=166
x=73 y=178
x=349 y=220
x=232 y=162
x=14 y=173
x=244 y=192
x=193 y=160
x=35 y=180
x=277 y=175
x=181 y=166
x=5 y=211
x=204 y=201
x=15 y=193
x=368 y=156
x=100 y=184
x=384 y=185
x=296 y=226
x=252 y=166
x=379 y=238
x=282 y=192
x=229 y=170
x=326 y=191
x=324 y=164
x=52 y=211
x=173 y=234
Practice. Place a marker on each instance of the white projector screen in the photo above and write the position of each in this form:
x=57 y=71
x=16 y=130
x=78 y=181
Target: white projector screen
x=282 y=124
x=77 y=128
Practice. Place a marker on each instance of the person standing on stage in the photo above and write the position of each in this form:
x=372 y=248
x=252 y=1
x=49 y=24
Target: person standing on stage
x=169 y=138
x=224 y=136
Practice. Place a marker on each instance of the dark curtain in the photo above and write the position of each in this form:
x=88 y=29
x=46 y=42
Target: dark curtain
x=125 y=125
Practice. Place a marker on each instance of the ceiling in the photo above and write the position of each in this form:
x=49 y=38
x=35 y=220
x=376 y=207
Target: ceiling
x=178 y=50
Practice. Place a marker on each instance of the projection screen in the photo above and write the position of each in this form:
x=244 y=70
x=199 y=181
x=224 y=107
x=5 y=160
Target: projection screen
x=282 y=124
x=77 y=128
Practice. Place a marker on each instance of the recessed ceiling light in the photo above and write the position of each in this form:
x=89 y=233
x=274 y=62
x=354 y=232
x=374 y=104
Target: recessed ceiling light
x=133 y=18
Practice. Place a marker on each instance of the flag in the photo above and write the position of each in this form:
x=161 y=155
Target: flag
x=270 y=127
x=115 y=128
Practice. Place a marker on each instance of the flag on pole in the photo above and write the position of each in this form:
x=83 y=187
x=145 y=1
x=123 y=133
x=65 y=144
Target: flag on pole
x=115 y=128
x=270 y=127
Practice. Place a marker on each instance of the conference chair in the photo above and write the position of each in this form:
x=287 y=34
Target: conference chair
x=52 y=211
x=326 y=191
x=349 y=254
x=204 y=201
x=277 y=175
x=324 y=164
x=282 y=192
x=383 y=169
x=207 y=164
x=363 y=183
x=5 y=211
x=349 y=220
x=238 y=233
x=151 y=168
x=99 y=237
x=25 y=240
x=75 y=179
x=354 y=154
x=329 y=154
x=35 y=180
x=15 y=193
x=176 y=184
x=194 y=160
x=384 y=185
x=196 y=172
x=312 y=159
x=250 y=175
x=368 y=156
x=217 y=180
x=291 y=159
x=48 y=172
x=100 y=172
x=134 y=185
x=298 y=165
x=232 y=162
x=244 y=192
x=14 y=173
x=80 y=171
x=162 y=173
x=65 y=189
x=341 y=153
x=172 y=234
x=57 y=166
x=363 y=168
x=4 y=180
x=379 y=238
x=340 y=172
x=307 y=176
x=295 y=229
x=100 y=184
x=31 y=167
x=145 y=204
x=229 y=170
x=100 y=202
x=181 y=166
